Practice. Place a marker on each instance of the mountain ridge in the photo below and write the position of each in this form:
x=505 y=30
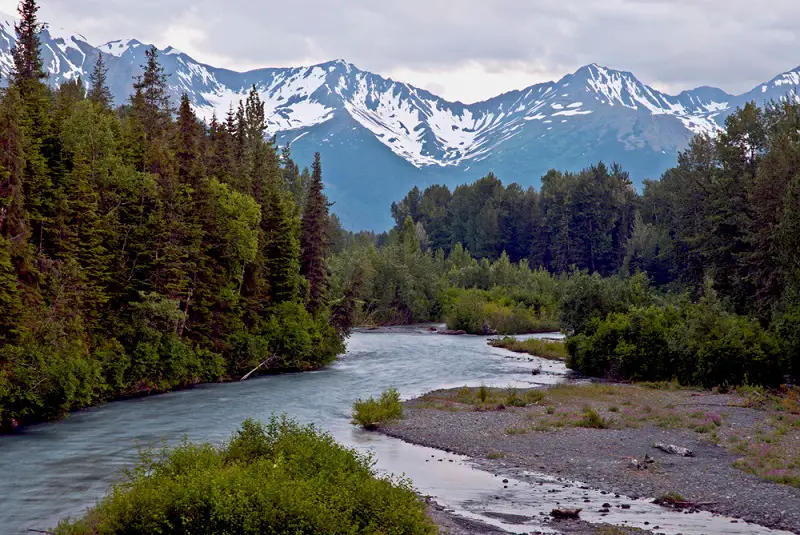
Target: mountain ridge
x=379 y=136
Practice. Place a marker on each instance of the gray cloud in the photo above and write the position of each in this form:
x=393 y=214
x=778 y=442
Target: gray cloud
x=672 y=44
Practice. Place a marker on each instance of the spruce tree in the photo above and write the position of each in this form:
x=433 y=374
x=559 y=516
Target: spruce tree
x=314 y=239
x=14 y=223
x=10 y=302
x=151 y=99
x=281 y=247
x=99 y=92
x=28 y=69
x=28 y=77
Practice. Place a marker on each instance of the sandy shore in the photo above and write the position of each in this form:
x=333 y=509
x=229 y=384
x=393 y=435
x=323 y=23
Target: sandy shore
x=511 y=440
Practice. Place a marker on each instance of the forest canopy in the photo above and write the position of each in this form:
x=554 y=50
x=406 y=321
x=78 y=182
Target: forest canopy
x=142 y=250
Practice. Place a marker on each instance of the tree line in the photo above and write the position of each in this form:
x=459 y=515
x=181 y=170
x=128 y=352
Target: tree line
x=143 y=250
x=696 y=278
x=727 y=212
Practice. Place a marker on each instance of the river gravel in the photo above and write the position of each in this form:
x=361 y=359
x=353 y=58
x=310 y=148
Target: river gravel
x=600 y=458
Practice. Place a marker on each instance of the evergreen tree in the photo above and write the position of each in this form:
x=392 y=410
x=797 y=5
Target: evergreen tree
x=281 y=248
x=313 y=238
x=28 y=69
x=99 y=91
x=14 y=223
x=10 y=302
x=28 y=78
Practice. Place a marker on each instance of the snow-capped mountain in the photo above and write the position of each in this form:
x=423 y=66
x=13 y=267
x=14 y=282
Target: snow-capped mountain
x=379 y=137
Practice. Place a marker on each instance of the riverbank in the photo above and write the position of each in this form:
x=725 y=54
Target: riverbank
x=741 y=443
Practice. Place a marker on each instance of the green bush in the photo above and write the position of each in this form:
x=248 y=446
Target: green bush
x=372 y=412
x=697 y=344
x=481 y=312
x=586 y=297
x=278 y=478
x=632 y=345
x=787 y=329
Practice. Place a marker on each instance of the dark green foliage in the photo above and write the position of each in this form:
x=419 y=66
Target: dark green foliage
x=697 y=344
x=314 y=238
x=139 y=251
x=278 y=478
x=99 y=92
x=787 y=329
x=585 y=297
x=28 y=69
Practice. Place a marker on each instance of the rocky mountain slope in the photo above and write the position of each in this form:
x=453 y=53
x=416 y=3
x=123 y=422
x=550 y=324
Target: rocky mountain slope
x=379 y=137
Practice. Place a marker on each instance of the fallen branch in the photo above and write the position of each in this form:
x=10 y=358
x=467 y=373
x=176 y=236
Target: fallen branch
x=270 y=360
x=42 y=531
x=674 y=450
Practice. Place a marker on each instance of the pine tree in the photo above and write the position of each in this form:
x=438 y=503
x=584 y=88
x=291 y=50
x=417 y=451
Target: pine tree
x=281 y=247
x=28 y=69
x=28 y=77
x=99 y=91
x=150 y=101
x=788 y=233
x=14 y=223
x=10 y=302
x=313 y=238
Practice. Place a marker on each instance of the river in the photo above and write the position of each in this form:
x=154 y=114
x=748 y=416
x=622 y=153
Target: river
x=51 y=471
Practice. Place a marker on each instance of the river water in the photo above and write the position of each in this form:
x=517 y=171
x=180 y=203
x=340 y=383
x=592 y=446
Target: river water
x=51 y=471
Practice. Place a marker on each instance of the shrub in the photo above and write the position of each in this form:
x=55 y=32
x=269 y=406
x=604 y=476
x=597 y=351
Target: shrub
x=697 y=344
x=372 y=412
x=513 y=399
x=787 y=329
x=587 y=297
x=278 y=478
x=480 y=312
x=593 y=420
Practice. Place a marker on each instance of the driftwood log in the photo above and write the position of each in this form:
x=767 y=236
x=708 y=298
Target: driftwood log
x=267 y=362
x=673 y=450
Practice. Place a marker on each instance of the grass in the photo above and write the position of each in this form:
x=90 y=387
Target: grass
x=371 y=413
x=771 y=451
x=496 y=455
x=545 y=349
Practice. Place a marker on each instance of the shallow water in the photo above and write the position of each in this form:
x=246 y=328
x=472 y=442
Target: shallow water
x=51 y=471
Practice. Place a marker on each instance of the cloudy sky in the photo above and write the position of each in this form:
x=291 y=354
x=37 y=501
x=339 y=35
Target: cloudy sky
x=464 y=49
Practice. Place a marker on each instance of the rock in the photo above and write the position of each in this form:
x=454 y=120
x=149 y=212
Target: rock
x=604 y=510
x=606 y=505
x=636 y=465
x=563 y=514
x=452 y=333
x=625 y=506
x=673 y=449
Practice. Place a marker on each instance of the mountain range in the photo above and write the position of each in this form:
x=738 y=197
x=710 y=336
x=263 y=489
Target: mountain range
x=379 y=137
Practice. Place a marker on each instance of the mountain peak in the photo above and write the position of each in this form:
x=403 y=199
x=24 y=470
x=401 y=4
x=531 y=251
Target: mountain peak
x=118 y=47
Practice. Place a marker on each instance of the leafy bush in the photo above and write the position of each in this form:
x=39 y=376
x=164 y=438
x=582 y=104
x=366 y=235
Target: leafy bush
x=278 y=478
x=481 y=312
x=787 y=329
x=586 y=297
x=697 y=344
x=372 y=412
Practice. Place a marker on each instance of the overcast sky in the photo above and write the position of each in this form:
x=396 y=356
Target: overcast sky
x=464 y=49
